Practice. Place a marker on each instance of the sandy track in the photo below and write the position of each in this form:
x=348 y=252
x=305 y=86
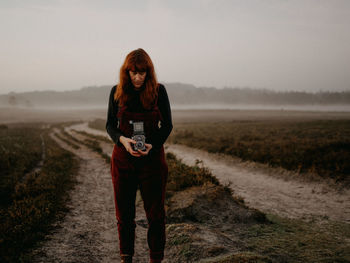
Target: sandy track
x=88 y=233
x=84 y=127
x=265 y=188
x=272 y=192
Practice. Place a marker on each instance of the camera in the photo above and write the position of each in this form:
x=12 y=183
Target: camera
x=138 y=136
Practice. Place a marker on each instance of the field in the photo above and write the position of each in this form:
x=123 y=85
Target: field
x=36 y=176
x=310 y=143
x=257 y=236
x=206 y=221
x=320 y=147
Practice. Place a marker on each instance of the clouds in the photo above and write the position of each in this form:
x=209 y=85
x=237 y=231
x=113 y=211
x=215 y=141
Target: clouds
x=283 y=45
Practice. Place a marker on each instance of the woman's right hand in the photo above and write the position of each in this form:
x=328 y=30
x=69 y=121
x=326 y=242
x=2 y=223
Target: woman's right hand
x=127 y=142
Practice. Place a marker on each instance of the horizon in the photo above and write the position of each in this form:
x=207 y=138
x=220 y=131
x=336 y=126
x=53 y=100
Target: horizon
x=181 y=83
x=275 y=45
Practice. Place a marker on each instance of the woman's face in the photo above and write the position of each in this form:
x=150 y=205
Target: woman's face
x=137 y=78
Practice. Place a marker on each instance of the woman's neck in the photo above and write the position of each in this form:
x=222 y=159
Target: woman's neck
x=141 y=88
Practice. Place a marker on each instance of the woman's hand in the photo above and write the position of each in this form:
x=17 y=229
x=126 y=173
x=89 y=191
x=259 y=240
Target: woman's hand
x=127 y=142
x=148 y=148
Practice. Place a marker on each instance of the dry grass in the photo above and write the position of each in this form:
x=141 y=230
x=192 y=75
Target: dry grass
x=321 y=147
x=20 y=151
x=38 y=199
x=276 y=240
x=240 y=233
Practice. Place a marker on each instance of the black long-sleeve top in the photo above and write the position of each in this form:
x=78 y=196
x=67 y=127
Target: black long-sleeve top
x=135 y=105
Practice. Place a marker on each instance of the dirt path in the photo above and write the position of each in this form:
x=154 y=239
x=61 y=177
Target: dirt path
x=84 y=127
x=272 y=192
x=264 y=188
x=88 y=232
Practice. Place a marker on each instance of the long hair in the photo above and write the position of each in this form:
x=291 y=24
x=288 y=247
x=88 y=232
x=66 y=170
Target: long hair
x=137 y=60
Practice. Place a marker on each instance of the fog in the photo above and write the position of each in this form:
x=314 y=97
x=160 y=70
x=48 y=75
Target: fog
x=273 y=44
x=243 y=107
x=327 y=108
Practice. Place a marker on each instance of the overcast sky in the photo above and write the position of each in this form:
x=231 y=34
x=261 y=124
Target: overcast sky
x=299 y=45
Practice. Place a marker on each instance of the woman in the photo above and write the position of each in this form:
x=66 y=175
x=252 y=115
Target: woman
x=139 y=105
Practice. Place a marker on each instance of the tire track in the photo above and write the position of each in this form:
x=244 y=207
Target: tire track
x=269 y=190
x=88 y=232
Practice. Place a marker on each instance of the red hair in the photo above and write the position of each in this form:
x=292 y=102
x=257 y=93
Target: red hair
x=137 y=60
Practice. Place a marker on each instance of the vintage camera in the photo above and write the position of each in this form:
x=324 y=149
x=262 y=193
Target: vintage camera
x=139 y=136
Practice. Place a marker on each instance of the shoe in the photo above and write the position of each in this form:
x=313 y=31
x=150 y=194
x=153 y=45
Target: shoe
x=126 y=259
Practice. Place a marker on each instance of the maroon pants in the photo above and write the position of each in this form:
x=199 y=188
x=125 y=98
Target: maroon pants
x=149 y=174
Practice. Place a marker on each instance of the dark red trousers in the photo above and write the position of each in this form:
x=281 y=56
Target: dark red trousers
x=149 y=174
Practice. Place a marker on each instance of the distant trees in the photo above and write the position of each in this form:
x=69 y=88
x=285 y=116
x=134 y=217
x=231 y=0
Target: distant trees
x=15 y=100
x=28 y=104
x=180 y=94
x=188 y=94
x=12 y=100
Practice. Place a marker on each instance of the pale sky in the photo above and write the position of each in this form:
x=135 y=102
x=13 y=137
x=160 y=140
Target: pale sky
x=301 y=45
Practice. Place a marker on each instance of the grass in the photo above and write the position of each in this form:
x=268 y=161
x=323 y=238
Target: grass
x=245 y=257
x=36 y=201
x=293 y=240
x=67 y=141
x=282 y=239
x=316 y=146
x=93 y=136
x=98 y=124
x=320 y=147
x=20 y=151
x=277 y=240
x=182 y=176
x=93 y=142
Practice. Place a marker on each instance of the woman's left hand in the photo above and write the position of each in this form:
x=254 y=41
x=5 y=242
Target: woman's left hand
x=148 y=148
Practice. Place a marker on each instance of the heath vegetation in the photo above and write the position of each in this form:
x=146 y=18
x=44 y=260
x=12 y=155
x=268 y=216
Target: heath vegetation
x=31 y=199
x=316 y=146
x=320 y=147
x=206 y=221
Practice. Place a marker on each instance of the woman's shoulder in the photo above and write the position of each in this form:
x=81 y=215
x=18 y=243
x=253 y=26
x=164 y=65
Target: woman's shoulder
x=111 y=95
x=113 y=89
x=162 y=95
x=161 y=89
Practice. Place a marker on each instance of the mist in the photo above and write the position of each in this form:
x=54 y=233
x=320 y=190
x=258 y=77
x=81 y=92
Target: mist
x=323 y=108
x=184 y=96
x=274 y=44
